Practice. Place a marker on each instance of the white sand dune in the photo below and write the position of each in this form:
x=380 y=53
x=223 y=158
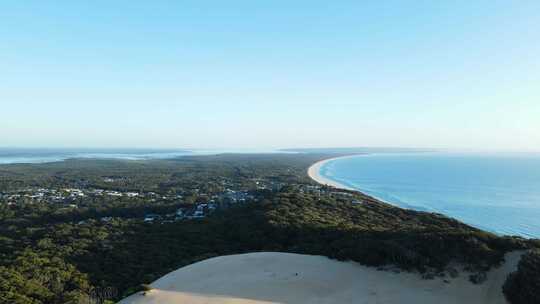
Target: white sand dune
x=292 y=278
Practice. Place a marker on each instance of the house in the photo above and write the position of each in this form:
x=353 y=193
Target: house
x=151 y=217
x=113 y=193
x=198 y=214
x=97 y=191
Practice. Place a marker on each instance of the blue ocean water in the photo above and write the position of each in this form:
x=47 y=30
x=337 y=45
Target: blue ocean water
x=497 y=193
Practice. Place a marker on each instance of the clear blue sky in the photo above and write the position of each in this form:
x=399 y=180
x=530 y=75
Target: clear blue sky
x=270 y=74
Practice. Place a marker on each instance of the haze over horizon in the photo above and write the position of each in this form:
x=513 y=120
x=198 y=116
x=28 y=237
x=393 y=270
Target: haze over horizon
x=241 y=75
x=202 y=151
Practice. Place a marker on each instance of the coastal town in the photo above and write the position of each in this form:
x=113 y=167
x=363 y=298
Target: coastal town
x=73 y=198
x=191 y=204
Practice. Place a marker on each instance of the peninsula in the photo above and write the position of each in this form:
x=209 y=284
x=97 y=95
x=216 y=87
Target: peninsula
x=131 y=222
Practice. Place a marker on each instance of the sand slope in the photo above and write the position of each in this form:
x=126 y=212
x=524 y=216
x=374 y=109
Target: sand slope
x=291 y=278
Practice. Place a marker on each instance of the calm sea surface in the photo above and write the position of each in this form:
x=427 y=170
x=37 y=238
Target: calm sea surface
x=498 y=193
x=15 y=155
x=35 y=155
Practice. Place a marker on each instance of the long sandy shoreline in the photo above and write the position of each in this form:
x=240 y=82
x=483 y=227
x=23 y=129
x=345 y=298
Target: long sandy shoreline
x=313 y=173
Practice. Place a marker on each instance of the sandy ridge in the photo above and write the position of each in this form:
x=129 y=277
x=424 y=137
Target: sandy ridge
x=268 y=277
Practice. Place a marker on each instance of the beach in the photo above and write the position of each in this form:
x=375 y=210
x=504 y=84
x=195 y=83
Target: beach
x=477 y=189
x=313 y=173
x=268 y=277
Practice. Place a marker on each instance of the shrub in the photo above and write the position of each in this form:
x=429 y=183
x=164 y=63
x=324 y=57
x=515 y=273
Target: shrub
x=146 y=287
x=523 y=286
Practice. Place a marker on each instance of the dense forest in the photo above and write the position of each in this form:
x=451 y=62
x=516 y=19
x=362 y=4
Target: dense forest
x=90 y=248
